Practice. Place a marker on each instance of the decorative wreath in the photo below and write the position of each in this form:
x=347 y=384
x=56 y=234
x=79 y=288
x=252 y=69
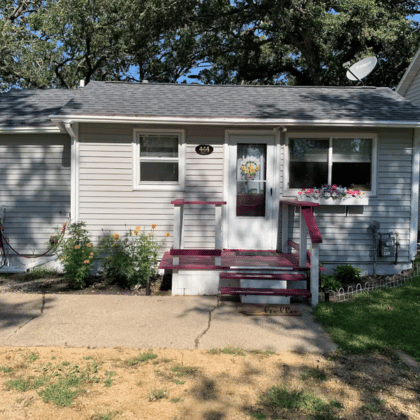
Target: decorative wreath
x=250 y=166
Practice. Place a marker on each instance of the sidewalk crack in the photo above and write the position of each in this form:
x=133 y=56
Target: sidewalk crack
x=196 y=341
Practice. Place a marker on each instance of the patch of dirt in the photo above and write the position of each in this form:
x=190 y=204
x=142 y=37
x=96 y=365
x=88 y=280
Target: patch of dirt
x=196 y=384
x=160 y=286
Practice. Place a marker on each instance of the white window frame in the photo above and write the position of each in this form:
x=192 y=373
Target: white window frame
x=330 y=136
x=159 y=185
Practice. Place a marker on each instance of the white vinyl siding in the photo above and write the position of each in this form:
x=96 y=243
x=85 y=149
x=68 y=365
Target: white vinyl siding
x=108 y=203
x=413 y=91
x=35 y=188
x=346 y=237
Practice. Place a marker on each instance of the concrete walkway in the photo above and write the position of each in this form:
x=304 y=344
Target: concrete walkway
x=151 y=322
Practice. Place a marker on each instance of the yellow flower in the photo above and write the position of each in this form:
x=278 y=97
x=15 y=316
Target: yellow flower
x=136 y=232
x=168 y=234
x=116 y=236
x=63 y=258
x=257 y=168
x=91 y=254
x=246 y=171
x=243 y=167
x=150 y=234
x=138 y=228
x=153 y=226
x=77 y=247
x=89 y=244
x=249 y=165
x=86 y=261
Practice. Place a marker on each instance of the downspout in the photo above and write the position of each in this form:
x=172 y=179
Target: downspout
x=73 y=130
x=374 y=227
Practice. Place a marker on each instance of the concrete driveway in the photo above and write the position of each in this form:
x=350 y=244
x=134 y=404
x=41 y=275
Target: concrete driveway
x=151 y=322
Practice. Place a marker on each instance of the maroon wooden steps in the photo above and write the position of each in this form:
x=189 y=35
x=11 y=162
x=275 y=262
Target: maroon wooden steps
x=264 y=292
x=263 y=276
x=214 y=252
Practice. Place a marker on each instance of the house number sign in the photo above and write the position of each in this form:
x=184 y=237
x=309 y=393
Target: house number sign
x=204 y=149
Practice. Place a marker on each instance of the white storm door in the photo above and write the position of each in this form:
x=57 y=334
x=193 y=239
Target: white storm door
x=250 y=192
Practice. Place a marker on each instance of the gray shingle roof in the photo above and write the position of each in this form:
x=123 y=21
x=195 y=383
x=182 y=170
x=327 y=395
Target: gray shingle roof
x=32 y=107
x=227 y=101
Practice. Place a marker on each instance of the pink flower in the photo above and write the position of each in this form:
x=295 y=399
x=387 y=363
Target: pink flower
x=309 y=191
x=299 y=192
x=334 y=187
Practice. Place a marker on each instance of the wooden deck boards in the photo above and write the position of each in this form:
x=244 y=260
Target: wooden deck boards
x=232 y=260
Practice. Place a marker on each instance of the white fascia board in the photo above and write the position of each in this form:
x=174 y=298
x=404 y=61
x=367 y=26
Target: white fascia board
x=24 y=130
x=408 y=76
x=234 y=121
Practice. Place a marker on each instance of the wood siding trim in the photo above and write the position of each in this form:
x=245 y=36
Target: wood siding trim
x=73 y=130
x=415 y=195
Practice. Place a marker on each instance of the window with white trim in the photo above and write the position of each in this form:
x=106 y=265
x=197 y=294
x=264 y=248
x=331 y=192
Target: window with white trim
x=158 y=158
x=345 y=161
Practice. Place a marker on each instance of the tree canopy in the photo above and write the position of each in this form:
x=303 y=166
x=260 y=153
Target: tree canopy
x=55 y=43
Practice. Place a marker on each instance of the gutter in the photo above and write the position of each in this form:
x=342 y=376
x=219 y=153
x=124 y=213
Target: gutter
x=30 y=130
x=231 y=121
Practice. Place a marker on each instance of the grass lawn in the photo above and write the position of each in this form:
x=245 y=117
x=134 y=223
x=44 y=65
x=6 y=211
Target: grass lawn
x=385 y=318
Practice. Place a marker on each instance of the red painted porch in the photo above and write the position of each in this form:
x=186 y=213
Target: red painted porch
x=264 y=273
x=235 y=260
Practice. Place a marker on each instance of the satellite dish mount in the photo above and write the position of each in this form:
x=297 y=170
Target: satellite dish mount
x=358 y=71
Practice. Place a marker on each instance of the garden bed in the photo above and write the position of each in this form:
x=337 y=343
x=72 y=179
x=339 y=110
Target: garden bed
x=20 y=283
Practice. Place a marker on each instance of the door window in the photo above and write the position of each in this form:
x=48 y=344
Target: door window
x=251 y=179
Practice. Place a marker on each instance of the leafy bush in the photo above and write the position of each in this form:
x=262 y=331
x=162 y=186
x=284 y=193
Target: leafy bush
x=131 y=259
x=78 y=255
x=347 y=273
x=330 y=283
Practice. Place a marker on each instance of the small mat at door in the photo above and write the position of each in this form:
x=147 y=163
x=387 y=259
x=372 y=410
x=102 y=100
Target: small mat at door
x=267 y=310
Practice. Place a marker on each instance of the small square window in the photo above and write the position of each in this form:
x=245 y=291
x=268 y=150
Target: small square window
x=158 y=157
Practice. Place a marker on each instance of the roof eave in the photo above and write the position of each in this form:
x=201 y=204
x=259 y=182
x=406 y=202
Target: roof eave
x=231 y=121
x=409 y=75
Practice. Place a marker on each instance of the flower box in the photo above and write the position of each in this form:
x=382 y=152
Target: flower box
x=333 y=195
x=348 y=201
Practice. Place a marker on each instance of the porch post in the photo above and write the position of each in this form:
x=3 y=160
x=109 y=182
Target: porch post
x=178 y=222
x=218 y=232
x=303 y=240
x=315 y=274
x=284 y=227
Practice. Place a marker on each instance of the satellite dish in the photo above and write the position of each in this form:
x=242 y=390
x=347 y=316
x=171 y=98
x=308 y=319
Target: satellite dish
x=361 y=69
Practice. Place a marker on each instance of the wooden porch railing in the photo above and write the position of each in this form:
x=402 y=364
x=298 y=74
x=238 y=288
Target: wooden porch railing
x=177 y=250
x=307 y=225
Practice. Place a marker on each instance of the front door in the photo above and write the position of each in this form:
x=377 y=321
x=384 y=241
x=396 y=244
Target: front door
x=250 y=192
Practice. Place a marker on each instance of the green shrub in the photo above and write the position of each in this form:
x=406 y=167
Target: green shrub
x=131 y=259
x=347 y=273
x=330 y=283
x=78 y=255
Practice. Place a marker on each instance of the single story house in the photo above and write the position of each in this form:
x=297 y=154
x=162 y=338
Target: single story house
x=219 y=167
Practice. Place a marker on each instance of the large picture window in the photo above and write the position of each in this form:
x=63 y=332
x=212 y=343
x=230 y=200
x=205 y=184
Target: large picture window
x=345 y=161
x=158 y=157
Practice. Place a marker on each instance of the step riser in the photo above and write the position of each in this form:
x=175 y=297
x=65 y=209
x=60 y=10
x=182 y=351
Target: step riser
x=258 y=276
x=264 y=291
